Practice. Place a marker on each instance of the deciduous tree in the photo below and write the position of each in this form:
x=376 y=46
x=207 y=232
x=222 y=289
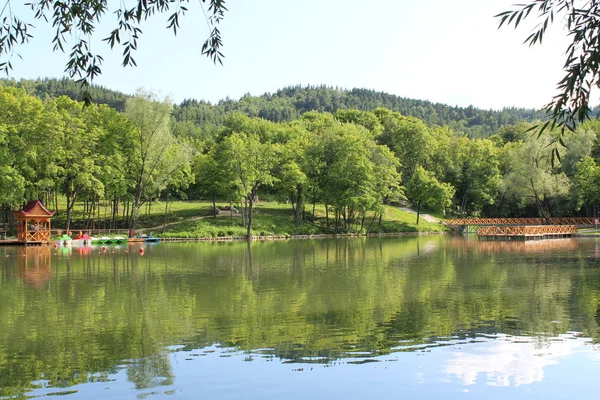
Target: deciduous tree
x=159 y=155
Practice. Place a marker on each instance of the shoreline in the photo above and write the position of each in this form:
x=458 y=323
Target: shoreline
x=286 y=237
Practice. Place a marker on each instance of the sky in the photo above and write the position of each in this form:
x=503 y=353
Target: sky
x=443 y=51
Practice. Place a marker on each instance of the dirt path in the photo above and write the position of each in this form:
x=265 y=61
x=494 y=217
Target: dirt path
x=426 y=217
x=161 y=226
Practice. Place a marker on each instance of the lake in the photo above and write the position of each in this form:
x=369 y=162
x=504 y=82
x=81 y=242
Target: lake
x=413 y=317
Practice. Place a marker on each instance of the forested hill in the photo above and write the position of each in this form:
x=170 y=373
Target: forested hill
x=52 y=87
x=291 y=102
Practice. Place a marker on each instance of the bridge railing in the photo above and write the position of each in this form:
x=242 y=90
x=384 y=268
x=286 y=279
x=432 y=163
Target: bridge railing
x=521 y=221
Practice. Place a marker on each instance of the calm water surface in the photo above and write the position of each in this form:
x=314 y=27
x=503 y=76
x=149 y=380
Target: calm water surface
x=426 y=317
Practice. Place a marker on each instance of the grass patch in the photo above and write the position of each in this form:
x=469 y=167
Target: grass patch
x=193 y=219
x=277 y=219
x=589 y=231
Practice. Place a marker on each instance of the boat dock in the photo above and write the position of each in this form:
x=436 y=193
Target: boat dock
x=14 y=242
x=526 y=232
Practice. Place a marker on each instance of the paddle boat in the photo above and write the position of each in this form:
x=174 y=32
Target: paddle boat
x=62 y=240
x=143 y=239
x=82 y=239
x=101 y=240
x=109 y=240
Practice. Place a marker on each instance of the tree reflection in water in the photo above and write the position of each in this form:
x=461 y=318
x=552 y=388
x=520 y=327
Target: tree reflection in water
x=84 y=315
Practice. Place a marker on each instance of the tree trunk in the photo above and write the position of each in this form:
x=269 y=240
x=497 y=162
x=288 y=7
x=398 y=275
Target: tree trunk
x=250 y=204
x=56 y=199
x=418 y=211
x=135 y=211
x=166 y=209
x=463 y=205
x=298 y=208
x=337 y=221
x=71 y=198
x=362 y=222
x=372 y=221
x=214 y=205
x=244 y=208
x=11 y=225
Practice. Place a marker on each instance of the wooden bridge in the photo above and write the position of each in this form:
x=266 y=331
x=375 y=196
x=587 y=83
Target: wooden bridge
x=579 y=221
x=526 y=232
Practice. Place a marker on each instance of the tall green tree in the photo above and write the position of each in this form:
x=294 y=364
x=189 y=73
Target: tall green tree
x=114 y=155
x=292 y=171
x=408 y=137
x=476 y=173
x=248 y=164
x=20 y=116
x=159 y=155
x=587 y=182
x=211 y=179
x=534 y=179
x=77 y=165
x=426 y=191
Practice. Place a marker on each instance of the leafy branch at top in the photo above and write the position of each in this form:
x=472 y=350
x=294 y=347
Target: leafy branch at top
x=79 y=19
x=571 y=105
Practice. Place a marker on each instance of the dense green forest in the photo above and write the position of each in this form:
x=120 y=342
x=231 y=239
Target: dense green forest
x=350 y=160
x=290 y=103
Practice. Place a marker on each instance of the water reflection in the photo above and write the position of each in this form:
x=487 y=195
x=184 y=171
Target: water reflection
x=512 y=361
x=34 y=265
x=71 y=317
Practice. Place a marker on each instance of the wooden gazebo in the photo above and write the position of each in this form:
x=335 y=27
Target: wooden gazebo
x=33 y=223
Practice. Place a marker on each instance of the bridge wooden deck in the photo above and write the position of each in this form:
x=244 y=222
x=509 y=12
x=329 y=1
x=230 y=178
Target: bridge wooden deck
x=579 y=221
x=526 y=232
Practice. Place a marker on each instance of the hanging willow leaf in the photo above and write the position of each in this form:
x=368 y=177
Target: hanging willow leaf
x=571 y=105
x=75 y=22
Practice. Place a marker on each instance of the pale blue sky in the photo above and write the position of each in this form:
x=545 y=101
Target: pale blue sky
x=447 y=51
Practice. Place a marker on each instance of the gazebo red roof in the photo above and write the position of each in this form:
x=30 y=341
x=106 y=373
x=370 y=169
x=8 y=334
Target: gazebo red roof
x=34 y=208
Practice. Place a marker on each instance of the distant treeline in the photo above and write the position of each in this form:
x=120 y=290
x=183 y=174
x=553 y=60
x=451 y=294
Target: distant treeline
x=290 y=103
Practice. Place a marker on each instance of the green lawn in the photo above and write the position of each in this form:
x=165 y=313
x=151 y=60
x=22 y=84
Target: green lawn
x=589 y=231
x=271 y=218
x=193 y=219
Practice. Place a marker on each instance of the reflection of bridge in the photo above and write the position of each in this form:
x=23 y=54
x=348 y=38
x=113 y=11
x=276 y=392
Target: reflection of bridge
x=515 y=246
x=463 y=222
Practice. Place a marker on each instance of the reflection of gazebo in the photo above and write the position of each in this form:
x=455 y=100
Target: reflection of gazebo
x=33 y=223
x=34 y=265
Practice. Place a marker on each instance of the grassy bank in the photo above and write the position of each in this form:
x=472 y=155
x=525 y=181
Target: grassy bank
x=193 y=219
x=272 y=218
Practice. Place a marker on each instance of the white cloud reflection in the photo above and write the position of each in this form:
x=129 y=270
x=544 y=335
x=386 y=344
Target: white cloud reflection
x=510 y=360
